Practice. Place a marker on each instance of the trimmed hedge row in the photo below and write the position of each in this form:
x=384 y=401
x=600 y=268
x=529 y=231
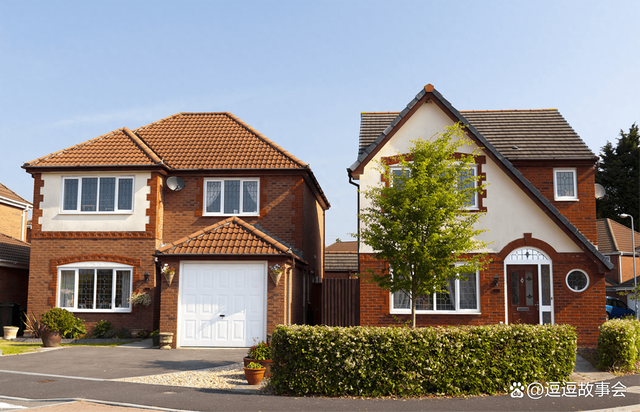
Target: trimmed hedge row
x=371 y=361
x=619 y=344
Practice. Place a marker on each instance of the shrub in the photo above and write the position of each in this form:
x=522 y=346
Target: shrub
x=260 y=351
x=619 y=345
x=103 y=330
x=369 y=361
x=61 y=320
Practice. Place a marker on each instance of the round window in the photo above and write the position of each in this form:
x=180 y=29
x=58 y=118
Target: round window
x=577 y=281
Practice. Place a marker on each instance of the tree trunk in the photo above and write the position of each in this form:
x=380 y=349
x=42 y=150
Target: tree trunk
x=413 y=313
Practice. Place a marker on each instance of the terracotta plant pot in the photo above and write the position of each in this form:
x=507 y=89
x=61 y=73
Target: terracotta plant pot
x=254 y=376
x=10 y=332
x=264 y=363
x=51 y=339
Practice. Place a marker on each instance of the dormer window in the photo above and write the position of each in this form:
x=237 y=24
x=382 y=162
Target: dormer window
x=231 y=197
x=92 y=194
x=565 y=186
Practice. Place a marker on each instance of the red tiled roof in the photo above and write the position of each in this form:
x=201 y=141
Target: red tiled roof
x=14 y=251
x=11 y=195
x=231 y=236
x=342 y=247
x=118 y=148
x=182 y=141
x=615 y=237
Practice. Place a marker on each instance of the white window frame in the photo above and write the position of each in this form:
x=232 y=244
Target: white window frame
x=94 y=265
x=456 y=311
x=115 y=210
x=242 y=181
x=555 y=184
x=566 y=280
x=474 y=168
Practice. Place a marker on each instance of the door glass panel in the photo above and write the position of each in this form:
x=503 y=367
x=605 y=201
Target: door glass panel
x=529 y=287
x=546 y=318
x=515 y=288
x=546 y=285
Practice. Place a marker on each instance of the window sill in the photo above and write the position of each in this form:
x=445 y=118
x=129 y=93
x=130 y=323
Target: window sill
x=230 y=214
x=566 y=199
x=434 y=312
x=98 y=310
x=75 y=212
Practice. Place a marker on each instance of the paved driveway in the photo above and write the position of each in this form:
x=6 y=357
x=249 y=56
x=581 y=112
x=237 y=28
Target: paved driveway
x=118 y=362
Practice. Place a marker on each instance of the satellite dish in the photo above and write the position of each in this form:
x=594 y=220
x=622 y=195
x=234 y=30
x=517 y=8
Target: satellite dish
x=175 y=183
x=600 y=192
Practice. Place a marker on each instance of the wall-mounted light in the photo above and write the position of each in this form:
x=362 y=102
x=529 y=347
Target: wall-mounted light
x=146 y=276
x=496 y=279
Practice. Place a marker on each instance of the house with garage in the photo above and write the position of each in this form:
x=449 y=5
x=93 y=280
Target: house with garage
x=220 y=225
x=539 y=212
x=14 y=256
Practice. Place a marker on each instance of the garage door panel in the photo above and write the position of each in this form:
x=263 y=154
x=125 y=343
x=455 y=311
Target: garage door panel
x=235 y=290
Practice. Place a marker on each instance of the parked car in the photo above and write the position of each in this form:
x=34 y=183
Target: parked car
x=618 y=309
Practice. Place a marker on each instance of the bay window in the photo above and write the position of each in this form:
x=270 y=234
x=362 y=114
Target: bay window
x=461 y=296
x=95 y=286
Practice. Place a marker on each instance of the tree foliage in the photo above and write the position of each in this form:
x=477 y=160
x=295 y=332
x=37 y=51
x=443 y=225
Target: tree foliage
x=418 y=223
x=619 y=174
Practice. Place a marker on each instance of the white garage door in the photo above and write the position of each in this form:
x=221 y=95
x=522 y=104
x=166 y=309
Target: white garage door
x=222 y=304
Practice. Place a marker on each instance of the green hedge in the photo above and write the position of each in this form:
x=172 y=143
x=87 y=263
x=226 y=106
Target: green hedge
x=619 y=344
x=368 y=361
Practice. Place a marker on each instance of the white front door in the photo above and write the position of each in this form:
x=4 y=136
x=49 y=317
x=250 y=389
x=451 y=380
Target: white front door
x=222 y=304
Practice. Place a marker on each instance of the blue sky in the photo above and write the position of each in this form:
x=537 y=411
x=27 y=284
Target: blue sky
x=301 y=72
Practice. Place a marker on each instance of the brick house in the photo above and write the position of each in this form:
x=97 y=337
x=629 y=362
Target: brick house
x=203 y=193
x=540 y=216
x=614 y=241
x=14 y=254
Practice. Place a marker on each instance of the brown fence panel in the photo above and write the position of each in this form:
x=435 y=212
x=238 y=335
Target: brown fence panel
x=340 y=302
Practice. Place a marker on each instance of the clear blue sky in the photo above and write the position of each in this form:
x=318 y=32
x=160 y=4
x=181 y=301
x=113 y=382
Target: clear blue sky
x=301 y=72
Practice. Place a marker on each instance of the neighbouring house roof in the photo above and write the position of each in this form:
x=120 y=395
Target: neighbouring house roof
x=614 y=237
x=14 y=252
x=429 y=93
x=9 y=196
x=232 y=236
x=341 y=257
x=517 y=134
x=343 y=247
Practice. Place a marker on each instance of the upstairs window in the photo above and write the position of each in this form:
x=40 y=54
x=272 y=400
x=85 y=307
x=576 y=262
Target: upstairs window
x=230 y=197
x=565 y=184
x=97 y=194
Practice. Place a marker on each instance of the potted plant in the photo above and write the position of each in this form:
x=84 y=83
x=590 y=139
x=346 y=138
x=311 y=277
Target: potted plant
x=139 y=299
x=254 y=373
x=155 y=337
x=33 y=327
x=260 y=353
x=60 y=323
x=10 y=332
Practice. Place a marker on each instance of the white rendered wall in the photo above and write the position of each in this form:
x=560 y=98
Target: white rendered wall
x=52 y=220
x=510 y=212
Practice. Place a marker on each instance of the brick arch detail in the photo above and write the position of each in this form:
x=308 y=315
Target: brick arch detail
x=529 y=241
x=53 y=285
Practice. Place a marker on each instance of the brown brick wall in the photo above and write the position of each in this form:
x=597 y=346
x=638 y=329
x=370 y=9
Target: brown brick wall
x=581 y=213
x=313 y=233
x=585 y=311
x=14 y=284
x=12 y=222
x=627 y=267
x=47 y=254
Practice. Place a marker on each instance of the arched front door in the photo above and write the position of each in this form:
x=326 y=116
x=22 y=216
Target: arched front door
x=529 y=294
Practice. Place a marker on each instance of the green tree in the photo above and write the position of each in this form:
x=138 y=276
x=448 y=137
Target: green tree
x=619 y=174
x=419 y=224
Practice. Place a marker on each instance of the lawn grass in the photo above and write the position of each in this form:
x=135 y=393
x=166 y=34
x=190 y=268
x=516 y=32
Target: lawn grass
x=13 y=348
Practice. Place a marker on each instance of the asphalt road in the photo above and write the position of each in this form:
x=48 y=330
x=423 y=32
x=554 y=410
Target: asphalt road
x=82 y=372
